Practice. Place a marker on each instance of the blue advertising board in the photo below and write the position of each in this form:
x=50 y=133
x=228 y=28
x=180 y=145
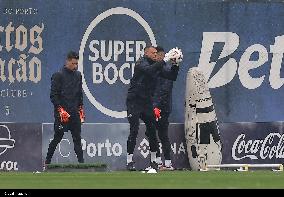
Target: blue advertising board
x=106 y=143
x=238 y=44
x=21 y=147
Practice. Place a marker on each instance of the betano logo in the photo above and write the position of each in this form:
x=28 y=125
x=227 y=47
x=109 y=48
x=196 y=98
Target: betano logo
x=109 y=52
x=246 y=63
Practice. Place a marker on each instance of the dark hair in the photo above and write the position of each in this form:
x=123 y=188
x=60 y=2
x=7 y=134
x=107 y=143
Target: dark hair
x=160 y=49
x=148 y=45
x=72 y=55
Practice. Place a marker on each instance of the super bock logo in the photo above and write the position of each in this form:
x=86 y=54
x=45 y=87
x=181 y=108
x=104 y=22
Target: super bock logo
x=272 y=146
x=107 y=60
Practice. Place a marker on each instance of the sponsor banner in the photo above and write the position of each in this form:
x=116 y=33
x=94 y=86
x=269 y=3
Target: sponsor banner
x=20 y=147
x=178 y=148
x=253 y=143
x=240 y=49
x=106 y=143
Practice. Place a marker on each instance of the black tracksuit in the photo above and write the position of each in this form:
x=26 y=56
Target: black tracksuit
x=139 y=100
x=163 y=100
x=66 y=91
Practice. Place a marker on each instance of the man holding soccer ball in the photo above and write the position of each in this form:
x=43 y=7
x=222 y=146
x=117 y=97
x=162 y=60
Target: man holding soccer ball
x=139 y=98
x=162 y=102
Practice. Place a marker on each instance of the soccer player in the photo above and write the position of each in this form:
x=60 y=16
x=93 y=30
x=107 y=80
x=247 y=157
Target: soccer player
x=162 y=102
x=139 y=100
x=67 y=98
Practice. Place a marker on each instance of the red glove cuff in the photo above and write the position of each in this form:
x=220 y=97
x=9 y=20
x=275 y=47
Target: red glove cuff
x=64 y=116
x=157 y=113
x=82 y=114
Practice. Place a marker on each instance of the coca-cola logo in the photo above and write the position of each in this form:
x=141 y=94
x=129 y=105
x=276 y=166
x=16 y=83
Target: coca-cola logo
x=272 y=146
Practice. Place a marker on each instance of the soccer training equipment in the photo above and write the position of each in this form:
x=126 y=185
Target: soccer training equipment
x=177 y=56
x=174 y=55
x=167 y=57
x=201 y=125
x=246 y=167
x=64 y=116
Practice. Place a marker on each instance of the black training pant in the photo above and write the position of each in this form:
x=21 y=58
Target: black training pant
x=74 y=125
x=140 y=109
x=162 y=126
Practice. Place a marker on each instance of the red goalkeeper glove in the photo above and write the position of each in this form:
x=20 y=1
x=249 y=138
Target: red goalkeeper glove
x=82 y=114
x=64 y=116
x=157 y=113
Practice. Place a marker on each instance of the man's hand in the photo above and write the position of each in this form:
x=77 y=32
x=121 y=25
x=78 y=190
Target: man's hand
x=157 y=113
x=64 y=116
x=82 y=114
x=167 y=57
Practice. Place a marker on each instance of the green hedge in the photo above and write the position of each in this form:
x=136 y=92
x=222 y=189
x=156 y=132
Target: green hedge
x=77 y=166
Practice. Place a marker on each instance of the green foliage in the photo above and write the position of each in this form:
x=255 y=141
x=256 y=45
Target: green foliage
x=77 y=166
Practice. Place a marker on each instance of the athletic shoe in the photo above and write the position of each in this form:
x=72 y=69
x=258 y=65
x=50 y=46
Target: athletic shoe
x=130 y=166
x=154 y=165
x=167 y=168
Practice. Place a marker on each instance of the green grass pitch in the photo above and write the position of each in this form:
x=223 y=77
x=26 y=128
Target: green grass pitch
x=124 y=179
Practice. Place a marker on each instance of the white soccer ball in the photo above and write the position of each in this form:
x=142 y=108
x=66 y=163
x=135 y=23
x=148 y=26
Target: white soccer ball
x=176 y=55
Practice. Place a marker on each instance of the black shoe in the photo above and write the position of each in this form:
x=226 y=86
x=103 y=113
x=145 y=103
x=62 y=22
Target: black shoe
x=44 y=166
x=167 y=168
x=154 y=165
x=130 y=166
x=81 y=161
x=47 y=162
